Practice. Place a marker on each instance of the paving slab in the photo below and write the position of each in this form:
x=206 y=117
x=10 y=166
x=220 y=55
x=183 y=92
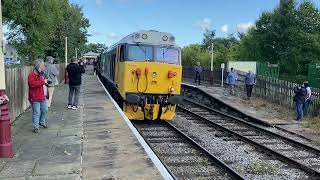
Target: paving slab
x=110 y=150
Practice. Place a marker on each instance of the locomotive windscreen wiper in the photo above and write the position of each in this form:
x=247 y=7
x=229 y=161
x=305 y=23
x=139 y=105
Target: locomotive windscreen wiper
x=143 y=50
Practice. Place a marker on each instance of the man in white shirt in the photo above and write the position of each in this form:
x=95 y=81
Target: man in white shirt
x=307 y=98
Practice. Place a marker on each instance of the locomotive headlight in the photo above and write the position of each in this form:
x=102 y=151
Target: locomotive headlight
x=137 y=36
x=171 y=89
x=154 y=74
x=144 y=36
x=165 y=38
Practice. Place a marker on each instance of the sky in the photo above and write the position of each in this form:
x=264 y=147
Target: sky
x=187 y=20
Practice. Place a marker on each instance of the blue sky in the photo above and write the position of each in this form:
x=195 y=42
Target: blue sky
x=187 y=19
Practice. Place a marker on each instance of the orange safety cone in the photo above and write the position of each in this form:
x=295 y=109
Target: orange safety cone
x=6 y=150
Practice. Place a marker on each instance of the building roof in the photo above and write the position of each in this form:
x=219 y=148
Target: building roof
x=91 y=54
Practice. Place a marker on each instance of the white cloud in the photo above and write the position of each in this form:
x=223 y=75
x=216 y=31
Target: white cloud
x=225 y=28
x=99 y=2
x=112 y=36
x=243 y=27
x=204 y=24
x=97 y=33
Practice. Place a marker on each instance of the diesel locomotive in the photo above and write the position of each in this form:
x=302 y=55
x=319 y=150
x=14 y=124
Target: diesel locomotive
x=143 y=74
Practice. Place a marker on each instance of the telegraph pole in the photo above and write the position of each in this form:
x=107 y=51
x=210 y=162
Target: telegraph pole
x=6 y=150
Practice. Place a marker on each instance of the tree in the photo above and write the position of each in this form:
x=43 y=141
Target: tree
x=289 y=35
x=208 y=38
x=38 y=27
x=95 y=47
x=224 y=50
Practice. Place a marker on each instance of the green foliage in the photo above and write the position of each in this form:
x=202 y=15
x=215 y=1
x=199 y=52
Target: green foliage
x=95 y=47
x=208 y=39
x=39 y=27
x=289 y=35
x=224 y=50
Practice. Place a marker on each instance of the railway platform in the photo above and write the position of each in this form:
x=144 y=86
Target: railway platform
x=93 y=142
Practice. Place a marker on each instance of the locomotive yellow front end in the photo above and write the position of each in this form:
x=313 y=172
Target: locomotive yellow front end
x=148 y=75
x=151 y=90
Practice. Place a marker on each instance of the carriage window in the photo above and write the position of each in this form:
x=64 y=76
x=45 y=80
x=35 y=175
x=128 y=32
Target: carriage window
x=168 y=55
x=140 y=53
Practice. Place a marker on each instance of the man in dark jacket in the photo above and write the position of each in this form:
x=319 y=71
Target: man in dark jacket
x=197 y=70
x=300 y=93
x=75 y=72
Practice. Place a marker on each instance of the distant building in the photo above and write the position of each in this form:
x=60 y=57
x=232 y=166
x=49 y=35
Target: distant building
x=89 y=57
x=11 y=55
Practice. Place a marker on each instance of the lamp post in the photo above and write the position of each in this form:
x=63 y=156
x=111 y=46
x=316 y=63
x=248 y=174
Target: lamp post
x=76 y=52
x=6 y=150
x=211 y=57
x=66 y=79
x=66 y=51
x=211 y=67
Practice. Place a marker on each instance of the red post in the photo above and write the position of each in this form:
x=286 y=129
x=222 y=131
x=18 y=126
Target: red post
x=6 y=150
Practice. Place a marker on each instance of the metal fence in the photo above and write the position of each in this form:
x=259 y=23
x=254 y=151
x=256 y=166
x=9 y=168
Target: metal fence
x=17 y=88
x=271 y=89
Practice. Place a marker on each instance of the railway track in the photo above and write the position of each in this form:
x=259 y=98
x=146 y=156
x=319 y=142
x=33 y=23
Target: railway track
x=182 y=156
x=201 y=96
x=293 y=153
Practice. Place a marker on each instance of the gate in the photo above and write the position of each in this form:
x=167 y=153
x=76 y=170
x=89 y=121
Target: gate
x=268 y=70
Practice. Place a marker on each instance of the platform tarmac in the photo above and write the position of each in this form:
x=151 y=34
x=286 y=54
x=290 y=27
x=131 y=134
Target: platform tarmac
x=93 y=142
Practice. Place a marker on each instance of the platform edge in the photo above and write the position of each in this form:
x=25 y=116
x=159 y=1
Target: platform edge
x=163 y=171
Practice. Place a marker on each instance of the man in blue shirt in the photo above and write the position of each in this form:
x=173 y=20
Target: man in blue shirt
x=232 y=78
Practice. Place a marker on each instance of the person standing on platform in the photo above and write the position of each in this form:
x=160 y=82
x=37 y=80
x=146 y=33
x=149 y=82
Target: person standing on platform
x=197 y=70
x=232 y=78
x=250 y=81
x=95 y=63
x=75 y=72
x=52 y=74
x=38 y=95
x=299 y=99
x=307 y=98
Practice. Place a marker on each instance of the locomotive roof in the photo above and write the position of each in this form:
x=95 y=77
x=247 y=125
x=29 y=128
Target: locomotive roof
x=149 y=38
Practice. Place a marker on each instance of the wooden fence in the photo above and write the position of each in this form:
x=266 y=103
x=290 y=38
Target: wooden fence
x=271 y=89
x=17 y=88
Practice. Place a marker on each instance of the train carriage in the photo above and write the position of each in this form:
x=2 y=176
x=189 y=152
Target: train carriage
x=143 y=73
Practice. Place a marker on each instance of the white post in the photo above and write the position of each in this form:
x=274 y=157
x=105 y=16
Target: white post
x=2 y=68
x=222 y=69
x=66 y=51
x=211 y=57
x=76 y=53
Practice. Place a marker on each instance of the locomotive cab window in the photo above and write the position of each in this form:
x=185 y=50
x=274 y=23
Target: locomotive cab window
x=140 y=53
x=122 y=53
x=167 y=55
